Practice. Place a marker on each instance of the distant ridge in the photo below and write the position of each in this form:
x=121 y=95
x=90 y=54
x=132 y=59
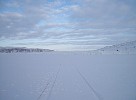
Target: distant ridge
x=22 y=50
x=123 y=48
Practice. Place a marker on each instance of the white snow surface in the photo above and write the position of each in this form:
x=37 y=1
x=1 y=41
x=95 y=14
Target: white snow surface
x=67 y=76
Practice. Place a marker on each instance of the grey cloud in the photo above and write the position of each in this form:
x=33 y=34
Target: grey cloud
x=24 y=21
x=105 y=13
x=86 y=22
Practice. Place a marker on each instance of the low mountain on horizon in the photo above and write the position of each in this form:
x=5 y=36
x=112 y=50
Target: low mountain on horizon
x=123 y=48
x=22 y=50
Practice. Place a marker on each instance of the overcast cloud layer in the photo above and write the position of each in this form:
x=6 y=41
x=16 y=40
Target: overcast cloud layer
x=67 y=24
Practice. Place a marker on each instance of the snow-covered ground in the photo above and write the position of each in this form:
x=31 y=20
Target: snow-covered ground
x=67 y=76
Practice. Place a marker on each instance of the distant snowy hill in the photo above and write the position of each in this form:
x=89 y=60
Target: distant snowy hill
x=21 y=49
x=123 y=48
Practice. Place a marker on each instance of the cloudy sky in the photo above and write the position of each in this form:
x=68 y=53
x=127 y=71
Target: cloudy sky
x=67 y=24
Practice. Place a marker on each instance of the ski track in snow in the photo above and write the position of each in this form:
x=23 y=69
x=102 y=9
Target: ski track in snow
x=48 y=97
x=96 y=94
x=43 y=91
